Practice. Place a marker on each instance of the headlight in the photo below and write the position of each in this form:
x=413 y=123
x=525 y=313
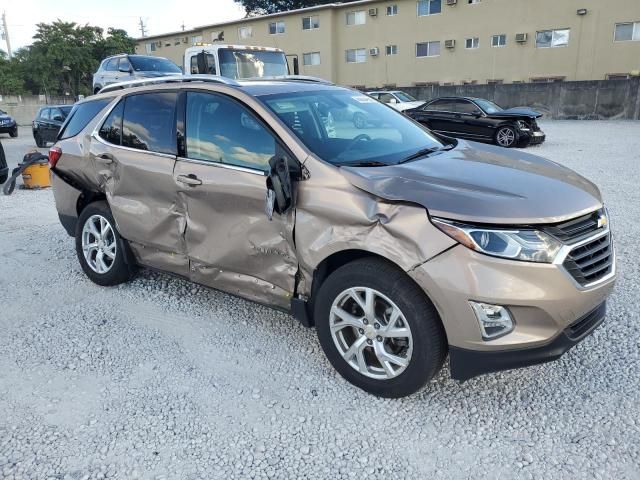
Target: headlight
x=517 y=244
x=523 y=125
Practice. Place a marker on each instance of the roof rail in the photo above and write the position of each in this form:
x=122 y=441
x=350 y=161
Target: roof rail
x=289 y=78
x=168 y=79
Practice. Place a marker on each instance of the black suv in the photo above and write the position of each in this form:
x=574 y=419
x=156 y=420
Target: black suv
x=48 y=122
x=8 y=124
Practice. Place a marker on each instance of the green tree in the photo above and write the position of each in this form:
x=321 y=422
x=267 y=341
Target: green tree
x=260 y=7
x=11 y=82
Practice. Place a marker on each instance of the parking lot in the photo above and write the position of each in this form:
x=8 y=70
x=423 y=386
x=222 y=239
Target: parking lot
x=161 y=378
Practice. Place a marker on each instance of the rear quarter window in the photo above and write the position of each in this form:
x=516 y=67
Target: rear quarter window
x=80 y=117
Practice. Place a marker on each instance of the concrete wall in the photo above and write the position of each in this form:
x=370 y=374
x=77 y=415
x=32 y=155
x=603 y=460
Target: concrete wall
x=23 y=108
x=589 y=100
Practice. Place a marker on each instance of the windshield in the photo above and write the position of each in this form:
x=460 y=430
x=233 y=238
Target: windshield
x=153 y=64
x=252 y=63
x=345 y=127
x=405 y=97
x=487 y=106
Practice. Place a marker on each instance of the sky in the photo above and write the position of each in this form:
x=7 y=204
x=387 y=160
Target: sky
x=159 y=16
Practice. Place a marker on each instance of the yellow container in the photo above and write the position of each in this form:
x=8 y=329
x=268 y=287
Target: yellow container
x=36 y=176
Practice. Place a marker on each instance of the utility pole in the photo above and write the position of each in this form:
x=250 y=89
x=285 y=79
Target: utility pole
x=143 y=28
x=5 y=33
x=182 y=26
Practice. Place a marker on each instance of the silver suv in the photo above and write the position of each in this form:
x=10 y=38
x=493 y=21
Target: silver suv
x=124 y=67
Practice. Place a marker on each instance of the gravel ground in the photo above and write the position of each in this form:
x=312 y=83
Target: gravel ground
x=163 y=379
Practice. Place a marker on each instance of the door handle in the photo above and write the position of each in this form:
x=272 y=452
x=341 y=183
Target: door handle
x=105 y=158
x=190 y=180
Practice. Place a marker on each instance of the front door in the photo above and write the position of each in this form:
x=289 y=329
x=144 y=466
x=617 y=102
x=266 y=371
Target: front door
x=231 y=243
x=134 y=155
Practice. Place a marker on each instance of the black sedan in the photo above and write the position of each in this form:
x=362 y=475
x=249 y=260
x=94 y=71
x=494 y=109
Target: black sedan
x=480 y=120
x=8 y=124
x=47 y=123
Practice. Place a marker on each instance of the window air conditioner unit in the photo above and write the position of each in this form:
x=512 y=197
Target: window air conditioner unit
x=374 y=52
x=521 y=37
x=449 y=44
x=452 y=2
x=373 y=12
x=159 y=44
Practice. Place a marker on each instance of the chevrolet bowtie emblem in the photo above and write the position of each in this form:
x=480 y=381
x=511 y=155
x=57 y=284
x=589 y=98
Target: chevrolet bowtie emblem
x=602 y=221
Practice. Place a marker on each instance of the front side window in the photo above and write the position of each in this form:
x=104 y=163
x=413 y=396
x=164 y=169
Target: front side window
x=112 y=65
x=428 y=49
x=499 y=40
x=392 y=10
x=552 y=38
x=149 y=122
x=487 y=106
x=220 y=130
x=429 y=7
x=245 y=32
x=391 y=49
x=276 y=28
x=311 y=23
x=465 y=106
x=627 y=32
x=312 y=58
x=472 y=42
x=124 y=65
x=356 y=55
x=356 y=18
x=111 y=129
x=80 y=116
x=326 y=122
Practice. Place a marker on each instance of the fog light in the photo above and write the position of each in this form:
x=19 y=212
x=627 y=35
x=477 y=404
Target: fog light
x=494 y=320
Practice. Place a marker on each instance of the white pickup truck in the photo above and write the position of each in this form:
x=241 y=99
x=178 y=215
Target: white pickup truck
x=237 y=61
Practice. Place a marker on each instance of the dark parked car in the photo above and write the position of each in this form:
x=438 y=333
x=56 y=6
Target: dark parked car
x=4 y=170
x=48 y=122
x=481 y=120
x=8 y=124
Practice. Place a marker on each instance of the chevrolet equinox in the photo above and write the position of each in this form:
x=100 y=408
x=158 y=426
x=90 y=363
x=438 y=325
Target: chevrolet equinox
x=400 y=246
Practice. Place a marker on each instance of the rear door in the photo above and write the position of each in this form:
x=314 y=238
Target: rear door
x=440 y=116
x=231 y=243
x=135 y=153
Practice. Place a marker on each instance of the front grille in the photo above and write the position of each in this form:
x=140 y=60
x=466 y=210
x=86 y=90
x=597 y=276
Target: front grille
x=590 y=262
x=577 y=228
x=584 y=325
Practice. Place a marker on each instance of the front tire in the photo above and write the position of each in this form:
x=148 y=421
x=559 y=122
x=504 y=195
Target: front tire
x=378 y=328
x=100 y=249
x=506 y=137
x=14 y=133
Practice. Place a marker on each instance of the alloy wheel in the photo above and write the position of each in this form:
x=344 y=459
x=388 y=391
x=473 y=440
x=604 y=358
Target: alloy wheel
x=506 y=136
x=371 y=333
x=99 y=244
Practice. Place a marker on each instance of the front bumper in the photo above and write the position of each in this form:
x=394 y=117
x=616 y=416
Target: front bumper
x=531 y=137
x=8 y=127
x=466 y=364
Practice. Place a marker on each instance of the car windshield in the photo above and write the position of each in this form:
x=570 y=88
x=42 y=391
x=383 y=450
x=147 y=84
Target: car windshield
x=345 y=127
x=405 y=97
x=252 y=63
x=487 y=106
x=153 y=64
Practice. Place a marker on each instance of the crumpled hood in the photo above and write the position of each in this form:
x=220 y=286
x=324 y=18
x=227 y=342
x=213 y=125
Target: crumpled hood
x=517 y=112
x=483 y=184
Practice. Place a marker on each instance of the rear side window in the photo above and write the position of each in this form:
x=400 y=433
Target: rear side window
x=440 y=105
x=111 y=129
x=149 y=122
x=80 y=117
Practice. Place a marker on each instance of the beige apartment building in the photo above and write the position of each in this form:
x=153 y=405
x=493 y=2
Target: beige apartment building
x=372 y=43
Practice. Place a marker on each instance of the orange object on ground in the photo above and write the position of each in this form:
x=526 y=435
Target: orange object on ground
x=36 y=176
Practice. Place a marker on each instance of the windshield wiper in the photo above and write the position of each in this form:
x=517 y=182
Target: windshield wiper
x=363 y=163
x=426 y=151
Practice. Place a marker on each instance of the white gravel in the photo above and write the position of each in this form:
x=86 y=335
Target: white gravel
x=164 y=379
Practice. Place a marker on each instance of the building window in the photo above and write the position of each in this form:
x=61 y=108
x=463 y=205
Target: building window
x=311 y=58
x=176 y=41
x=356 y=18
x=196 y=39
x=472 y=42
x=627 y=32
x=150 y=47
x=392 y=10
x=276 y=28
x=217 y=36
x=356 y=55
x=311 y=23
x=546 y=79
x=552 y=38
x=391 y=49
x=473 y=2
x=245 y=32
x=428 y=49
x=429 y=7
x=495 y=82
x=499 y=40
x=617 y=76
x=469 y=82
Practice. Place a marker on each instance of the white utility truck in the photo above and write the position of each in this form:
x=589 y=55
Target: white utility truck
x=237 y=61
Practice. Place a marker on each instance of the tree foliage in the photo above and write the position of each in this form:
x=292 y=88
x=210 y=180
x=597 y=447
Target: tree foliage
x=261 y=7
x=62 y=59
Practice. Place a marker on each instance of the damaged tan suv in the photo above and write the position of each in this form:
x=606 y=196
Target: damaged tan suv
x=399 y=246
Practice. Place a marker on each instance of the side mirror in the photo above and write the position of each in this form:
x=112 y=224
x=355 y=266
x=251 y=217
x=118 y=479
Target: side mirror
x=279 y=187
x=203 y=62
x=58 y=118
x=477 y=113
x=124 y=69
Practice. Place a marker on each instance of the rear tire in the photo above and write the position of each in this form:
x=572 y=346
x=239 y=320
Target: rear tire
x=101 y=251
x=395 y=352
x=39 y=142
